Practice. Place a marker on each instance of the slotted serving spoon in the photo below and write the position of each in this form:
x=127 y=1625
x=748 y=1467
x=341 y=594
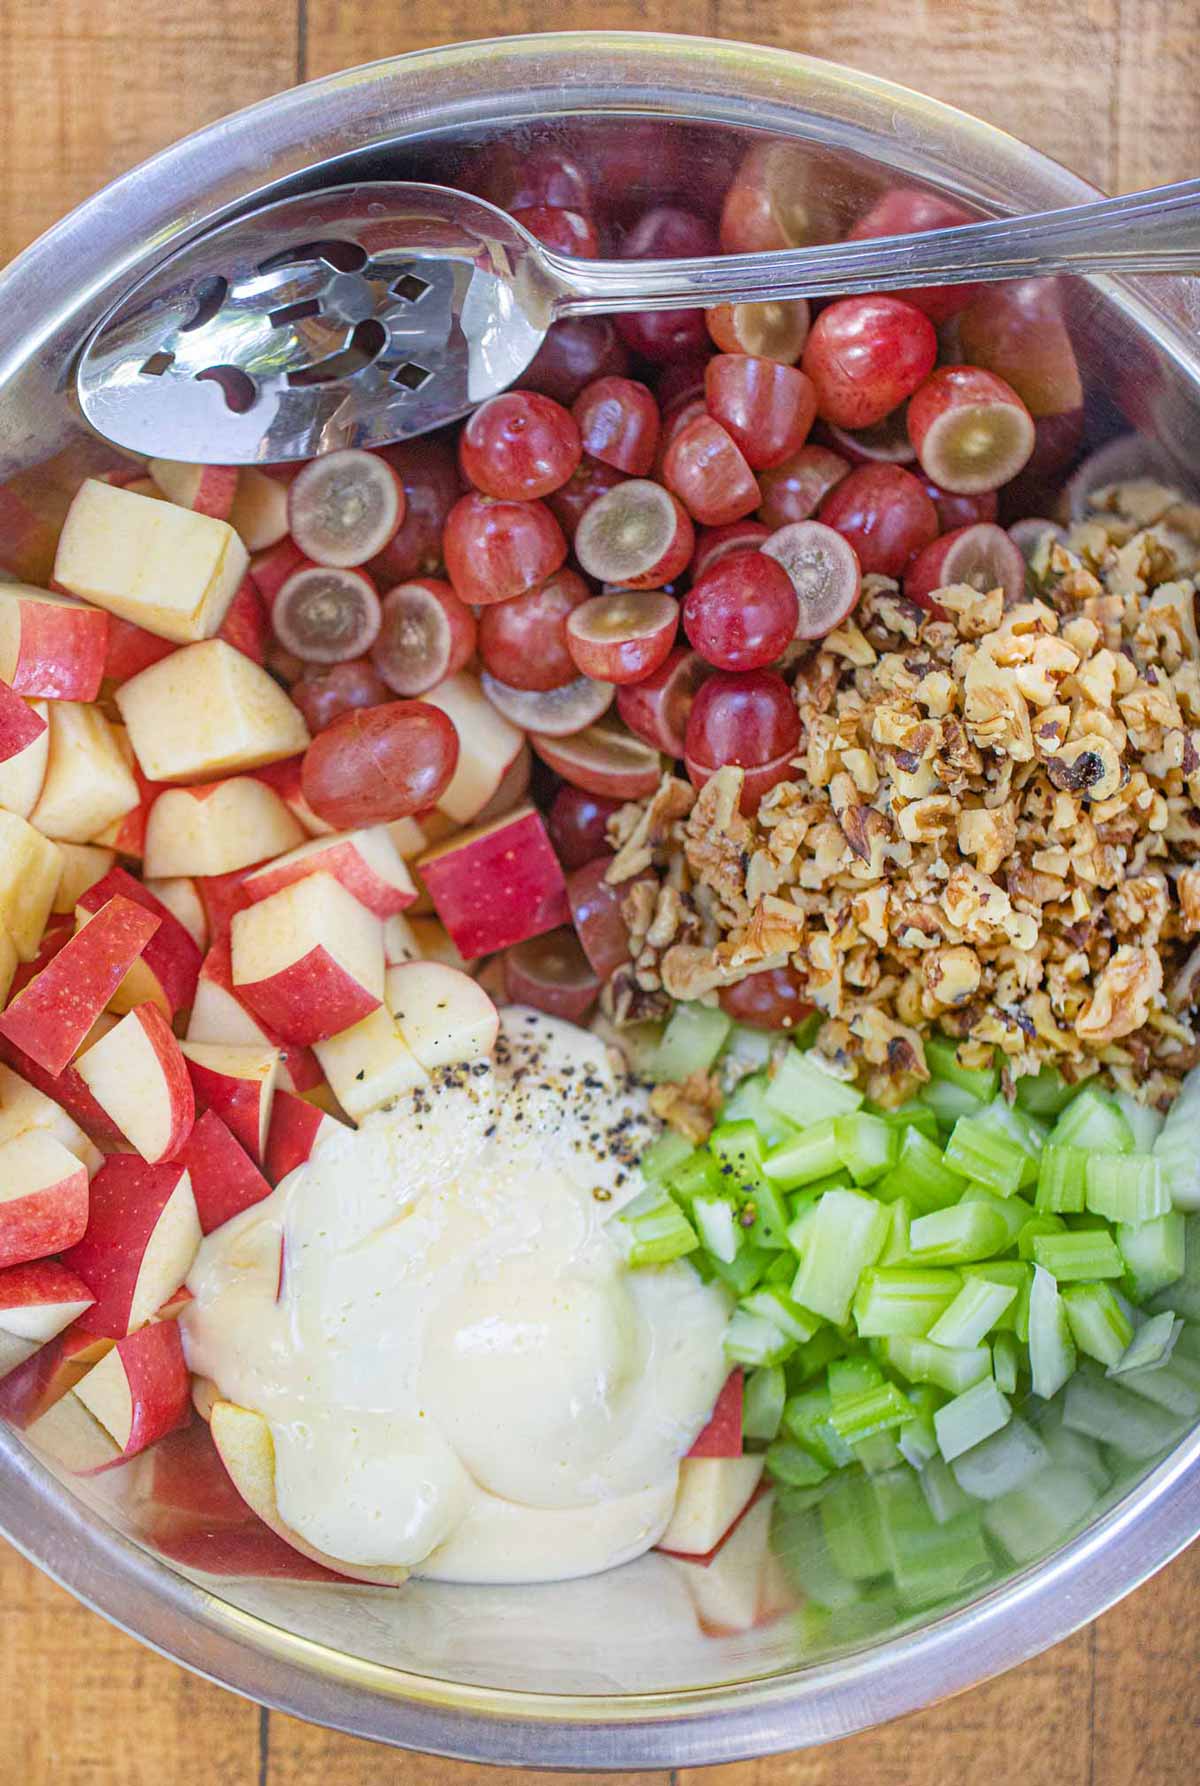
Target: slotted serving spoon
x=368 y=313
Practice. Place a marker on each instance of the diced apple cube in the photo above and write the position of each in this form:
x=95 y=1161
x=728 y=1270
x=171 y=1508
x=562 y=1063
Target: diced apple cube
x=369 y=1063
x=138 y=1075
x=309 y=960
x=207 y=711
x=88 y=783
x=21 y=723
x=23 y=1107
x=83 y=864
x=141 y=1389
x=488 y=745
x=48 y=1374
x=225 y=1180
x=142 y=1236
x=209 y=489
x=728 y=1589
x=722 y=1437
x=434 y=944
x=50 y=1018
x=43 y=1197
x=296 y=1128
x=166 y=971
x=181 y=897
x=132 y=649
x=409 y=838
x=30 y=870
x=259 y=514
x=285 y=778
x=167 y=568
x=713 y=1493
x=444 y=1015
x=365 y=862
x=23 y=769
x=216 y=827
x=69 y=1435
x=8 y=963
x=51 y=645
x=238 y=1082
x=497 y=884
x=40 y=1298
x=247 y=625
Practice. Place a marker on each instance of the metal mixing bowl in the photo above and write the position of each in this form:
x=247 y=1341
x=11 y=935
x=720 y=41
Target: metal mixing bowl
x=610 y=1672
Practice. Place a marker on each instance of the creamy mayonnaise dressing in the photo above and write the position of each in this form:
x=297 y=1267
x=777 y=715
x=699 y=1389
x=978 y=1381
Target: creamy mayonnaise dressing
x=459 y=1373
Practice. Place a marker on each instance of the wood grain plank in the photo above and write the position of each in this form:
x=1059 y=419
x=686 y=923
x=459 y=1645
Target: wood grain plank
x=1157 y=92
x=1147 y=1674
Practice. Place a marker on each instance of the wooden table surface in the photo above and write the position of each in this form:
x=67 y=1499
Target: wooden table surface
x=87 y=88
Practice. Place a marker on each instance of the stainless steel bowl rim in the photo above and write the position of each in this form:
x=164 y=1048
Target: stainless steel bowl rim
x=123 y=229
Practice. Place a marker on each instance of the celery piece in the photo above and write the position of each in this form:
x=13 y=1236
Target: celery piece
x=895 y=1247
x=1030 y=1520
x=847 y=1234
x=691 y=1042
x=774 y=1306
x=815 y=1354
x=1074 y=1258
x=917 y=1441
x=852 y=1375
x=929 y=1562
x=812 y=1155
x=1145 y=1124
x=805 y=1093
x=1183 y=1296
x=979 y=1151
x=764 y=1217
x=1019 y=1274
x=921 y=1361
x=698 y=1175
x=1106 y=1410
x=1075 y=1451
x=957 y=1236
x=1176 y=1151
x=1007 y=1459
x=941 y=1057
x=870 y=1411
x=806 y=1418
x=891 y=1301
x=944 y=1498
x=747 y=1102
x=948 y=1102
x=1061 y=1185
x=748 y=1269
x=850 y=1520
x=970 y=1418
x=973 y=1313
x=1051 y=1349
x=658 y=1230
x=715 y=1221
x=1154 y=1253
x=738 y=1150
x=1127 y=1187
x=1044 y=1094
x=913 y=1115
x=1099 y=1326
x=921 y=1174
x=792 y=1464
x=1152 y=1344
x=1020 y=1127
x=763 y=1397
x=1094 y=1121
x=1173 y=1383
x=798 y=1540
x=1035 y=1227
x=1188 y=1341
x=1006 y=1360
x=665 y=1156
x=750 y=1339
x=879 y=1451
x=867 y=1146
x=1013 y=1211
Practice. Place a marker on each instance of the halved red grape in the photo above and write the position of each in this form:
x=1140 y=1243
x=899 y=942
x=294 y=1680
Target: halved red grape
x=523 y=642
x=272 y=568
x=551 y=973
x=577 y=822
x=551 y=712
x=603 y=759
x=955 y=510
x=773 y=998
x=824 y=573
x=495 y=550
x=515 y=177
x=715 y=543
x=749 y=720
x=637 y=536
x=377 y=764
x=774 y=330
x=887 y=440
x=344 y=507
x=618 y=423
x=795 y=490
x=519 y=446
x=884 y=513
x=678 y=383
x=657 y=709
x=675 y=420
x=982 y=556
x=575 y=351
x=591 y=478
x=428 y=470
x=970 y=429
x=596 y=914
x=323 y=695
x=767 y=408
x=668 y=232
x=623 y=637
x=566 y=232
x=426 y=634
x=906 y=211
x=325 y=616
x=1016 y=329
x=659 y=335
x=742 y=613
x=777 y=199
x=865 y=356
x=707 y=470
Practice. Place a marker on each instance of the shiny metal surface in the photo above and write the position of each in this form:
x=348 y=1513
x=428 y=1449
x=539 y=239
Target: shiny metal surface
x=613 y=1672
x=371 y=313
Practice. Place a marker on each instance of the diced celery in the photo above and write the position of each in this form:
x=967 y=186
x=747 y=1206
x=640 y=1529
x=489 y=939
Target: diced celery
x=691 y=1042
x=1152 y=1344
x=896 y=1301
x=970 y=1418
x=1007 y=1459
x=815 y=1354
x=1094 y=1121
x=1184 y=1295
x=747 y=1270
x=930 y=1562
x=658 y=1230
x=944 y=1498
x=1061 y=1186
x=852 y=1375
x=747 y=1102
x=1034 y=1518
x=803 y=1092
x=917 y=1441
x=1173 y=1384
x=782 y=1312
x=1187 y=1341
x=920 y=1361
x=806 y=1418
x=872 y=1410
x=715 y=1221
x=921 y=1174
x=811 y=1155
x=738 y=1146
x=867 y=1146
x=1020 y=1126
x=973 y=1313
x=751 y=1339
x=913 y=1115
x=697 y=1176
x=948 y=1102
x=766 y=1214
x=665 y=1155
x=1006 y=1358
x=792 y=1464
x=957 y=1236
x=879 y=1451
x=798 y=1540
x=1035 y=1227
x=1074 y=1451
x=1105 y=1410
x=1175 y=1147
x=1019 y=1274
x=1013 y=1211
x=941 y=1057
x=763 y=1397
x=1051 y=1350
x=980 y=1152
x=850 y=1519
x=1073 y=1258
x=895 y=1247
x=1045 y=1093
x=1145 y=1123
x=847 y=1234
x=1154 y=1253
x=1099 y=1326
x=1127 y=1188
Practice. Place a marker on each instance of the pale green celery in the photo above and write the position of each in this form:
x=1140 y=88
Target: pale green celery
x=879 y=1451
x=792 y=1464
x=698 y=1175
x=970 y=1418
x=806 y=1419
x=1021 y=1127
x=800 y=1227
x=957 y=1236
x=813 y=1154
x=980 y=1152
x=1154 y=1253
x=716 y=1223
x=917 y=1441
x=1006 y=1362
x=774 y=1306
x=1062 y=1183
x=1127 y=1188
x=949 y=1102
x=921 y=1174
x=1013 y=1211
x=804 y=1093
x=1036 y=1226
x=767 y=1216
x=921 y=1361
x=738 y=1146
x=1094 y=1121
x=798 y=1540
x=1187 y=1341
x=1019 y=1274
x=1172 y=1383
x=1007 y=1459
x=753 y=1340
x=1031 y=1520
x=1183 y=1297
x=665 y=1155
x=1079 y=1256
x=1044 y=1094
x=941 y=1057
x=895 y=1247
x=658 y=1230
x=929 y=1562
x=867 y=1146
x=763 y=1397
x=1175 y=1146
x=973 y=1313
x=850 y=1521
x=1113 y=1414
x=873 y=1409
x=1145 y=1124
x=816 y=1353
x=847 y=1234
x=691 y=1042
x=1099 y=1326
x=747 y=1102
x=944 y=1498
x=1074 y=1451
x=913 y=1115
x=1051 y=1349
x=902 y=1301
x=1152 y=1344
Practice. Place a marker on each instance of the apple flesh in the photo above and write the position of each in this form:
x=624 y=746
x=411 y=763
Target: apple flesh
x=69 y=1435
x=734 y=1590
x=370 y=1063
x=181 y=897
x=140 y=1390
x=713 y=1493
x=218 y=1015
x=308 y=960
x=30 y=870
x=444 y=1015
x=23 y=1106
x=50 y=1018
x=488 y=746
x=43 y=1197
x=46 y=1374
x=206 y=711
x=139 y=1076
x=142 y=1235
x=23 y=768
x=21 y=724
x=51 y=645
x=67 y=1090
x=166 y=971
x=296 y=1128
x=225 y=1180
x=497 y=884
x=88 y=784
x=83 y=864
x=208 y=489
x=237 y=1082
x=259 y=514
x=39 y=1298
x=365 y=862
x=216 y=827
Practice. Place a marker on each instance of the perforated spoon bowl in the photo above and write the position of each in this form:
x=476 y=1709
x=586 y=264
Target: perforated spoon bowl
x=368 y=313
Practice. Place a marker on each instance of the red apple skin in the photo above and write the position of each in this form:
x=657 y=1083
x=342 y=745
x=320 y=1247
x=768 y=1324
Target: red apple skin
x=171 y=954
x=342 y=859
x=131 y=648
x=495 y=887
x=225 y=1180
x=128 y=1198
x=596 y=915
x=310 y=999
x=223 y=896
x=296 y=1127
x=159 y=1383
x=19 y=724
x=51 y=1017
x=250 y=1551
x=44 y=1220
x=60 y=651
x=176 y=1081
x=244 y=1105
x=68 y=1089
x=41 y=1284
x=246 y=625
x=722 y=1437
x=56 y=1367
x=56 y=936
x=188 y=1479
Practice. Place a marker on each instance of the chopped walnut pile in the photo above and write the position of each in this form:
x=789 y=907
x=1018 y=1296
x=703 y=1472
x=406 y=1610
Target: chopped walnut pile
x=993 y=828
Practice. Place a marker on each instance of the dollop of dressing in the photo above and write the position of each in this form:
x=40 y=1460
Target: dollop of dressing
x=435 y=1317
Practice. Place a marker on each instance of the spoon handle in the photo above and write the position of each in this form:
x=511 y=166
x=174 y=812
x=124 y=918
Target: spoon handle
x=1142 y=232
